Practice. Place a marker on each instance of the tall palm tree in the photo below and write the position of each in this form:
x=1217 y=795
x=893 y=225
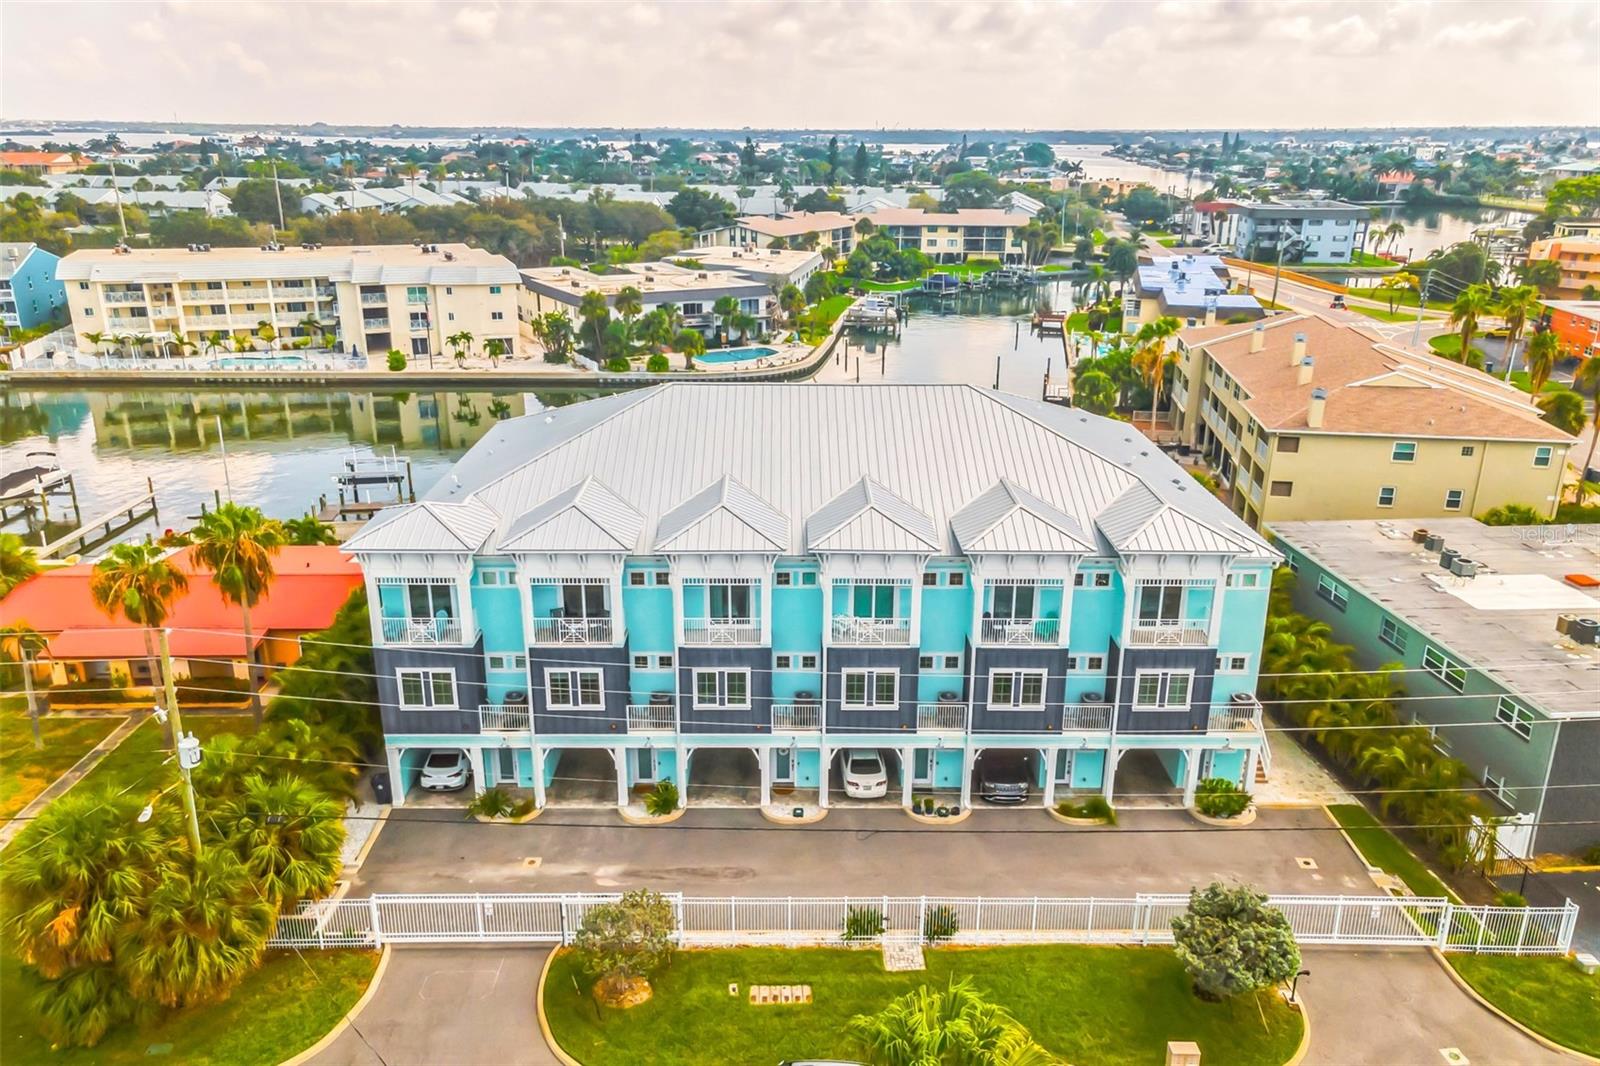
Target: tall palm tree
x=139 y=583
x=21 y=644
x=18 y=562
x=1392 y=233
x=745 y=323
x=1474 y=302
x=266 y=332
x=629 y=303
x=1518 y=304
x=309 y=529
x=460 y=344
x=1152 y=359
x=724 y=309
x=1587 y=379
x=287 y=832
x=96 y=339
x=1395 y=284
x=1543 y=351
x=237 y=544
x=596 y=313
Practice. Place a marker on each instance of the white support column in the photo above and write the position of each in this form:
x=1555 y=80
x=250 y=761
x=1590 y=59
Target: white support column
x=1252 y=756
x=1191 y=775
x=397 y=780
x=620 y=757
x=824 y=759
x=538 y=776
x=475 y=758
x=1108 y=779
x=764 y=761
x=765 y=606
x=908 y=769
x=681 y=757
x=1050 y=757
x=966 y=777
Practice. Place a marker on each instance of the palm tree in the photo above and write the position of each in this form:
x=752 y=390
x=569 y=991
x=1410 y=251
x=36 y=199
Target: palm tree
x=791 y=301
x=1395 y=284
x=288 y=833
x=744 y=323
x=237 y=544
x=1152 y=359
x=629 y=303
x=1543 y=351
x=1099 y=281
x=1563 y=409
x=595 y=312
x=724 y=309
x=691 y=344
x=460 y=345
x=139 y=582
x=924 y=1027
x=266 y=332
x=655 y=330
x=214 y=341
x=17 y=562
x=1474 y=301
x=309 y=529
x=829 y=254
x=96 y=339
x=1518 y=304
x=1094 y=391
x=1587 y=379
x=495 y=349
x=310 y=326
x=1393 y=232
x=20 y=643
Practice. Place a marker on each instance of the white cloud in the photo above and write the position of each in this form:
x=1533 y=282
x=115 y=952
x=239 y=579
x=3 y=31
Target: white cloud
x=475 y=23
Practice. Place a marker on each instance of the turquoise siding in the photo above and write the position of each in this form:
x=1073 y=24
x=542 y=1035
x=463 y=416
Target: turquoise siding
x=1096 y=614
x=1228 y=764
x=1175 y=763
x=797 y=618
x=499 y=615
x=946 y=616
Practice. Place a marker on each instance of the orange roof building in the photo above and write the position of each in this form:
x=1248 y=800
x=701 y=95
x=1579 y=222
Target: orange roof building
x=41 y=162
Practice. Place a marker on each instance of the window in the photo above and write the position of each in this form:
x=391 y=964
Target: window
x=450 y=316
x=783 y=579
x=1077 y=580
x=1390 y=633
x=1332 y=591
x=495 y=316
x=1092 y=664
x=494 y=290
x=952 y=662
x=641 y=662
x=1012 y=602
x=1541 y=455
x=88 y=312
x=728 y=602
x=931 y=577
x=419 y=346
x=956 y=579
x=1514 y=717
x=782 y=662
x=1244 y=581
x=1466 y=451
x=1497 y=785
x=1436 y=663
x=1011 y=689
x=871 y=689
x=1102 y=580
x=449 y=290
x=636 y=578
x=729 y=689
x=663 y=662
x=84 y=286
x=807 y=661
x=1386 y=496
x=925 y=662
x=808 y=578
x=1404 y=451
x=1282 y=488
x=427 y=689
x=1233 y=664
x=1161 y=690
x=1452 y=500
x=568 y=689
x=1288 y=444
x=1160 y=603
x=693 y=309
x=508 y=662
x=430 y=601
x=662 y=577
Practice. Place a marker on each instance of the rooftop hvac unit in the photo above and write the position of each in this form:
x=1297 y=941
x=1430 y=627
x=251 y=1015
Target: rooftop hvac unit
x=1419 y=536
x=1464 y=567
x=1564 y=623
x=1585 y=630
x=1433 y=543
x=1448 y=557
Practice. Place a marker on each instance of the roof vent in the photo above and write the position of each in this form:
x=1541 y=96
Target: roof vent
x=1304 y=376
x=1299 y=346
x=1258 y=338
x=1318 y=407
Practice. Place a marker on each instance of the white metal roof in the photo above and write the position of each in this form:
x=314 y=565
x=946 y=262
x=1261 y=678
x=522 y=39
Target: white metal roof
x=1008 y=518
x=428 y=526
x=588 y=517
x=791 y=468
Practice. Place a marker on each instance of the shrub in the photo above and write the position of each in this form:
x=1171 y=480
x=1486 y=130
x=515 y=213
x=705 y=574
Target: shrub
x=863 y=923
x=657 y=364
x=522 y=808
x=1591 y=855
x=491 y=803
x=397 y=360
x=1093 y=807
x=624 y=942
x=1231 y=942
x=940 y=923
x=662 y=800
x=1510 y=899
x=618 y=365
x=1217 y=797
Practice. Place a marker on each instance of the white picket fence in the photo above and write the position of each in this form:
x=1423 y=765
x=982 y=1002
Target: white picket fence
x=553 y=918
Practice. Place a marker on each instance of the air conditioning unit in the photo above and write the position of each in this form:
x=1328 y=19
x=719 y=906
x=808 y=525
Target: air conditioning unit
x=1564 y=623
x=1464 y=567
x=1245 y=698
x=1092 y=697
x=1448 y=557
x=1433 y=543
x=1585 y=630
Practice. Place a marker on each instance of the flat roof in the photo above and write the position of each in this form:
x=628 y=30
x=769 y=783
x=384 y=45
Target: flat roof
x=763 y=261
x=651 y=279
x=1589 y=309
x=1502 y=622
x=797 y=223
x=374 y=264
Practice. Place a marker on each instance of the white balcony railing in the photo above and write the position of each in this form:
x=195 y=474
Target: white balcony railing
x=503 y=718
x=730 y=631
x=1168 y=634
x=422 y=631
x=374 y=323
x=372 y=299
x=125 y=297
x=1235 y=718
x=572 y=631
x=848 y=629
x=941 y=717
x=796 y=717
x=1086 y=718
x=652 y=718
x=1033 y=631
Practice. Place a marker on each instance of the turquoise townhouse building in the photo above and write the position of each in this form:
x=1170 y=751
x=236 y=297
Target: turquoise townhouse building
x=30 y=293
x=759 y=578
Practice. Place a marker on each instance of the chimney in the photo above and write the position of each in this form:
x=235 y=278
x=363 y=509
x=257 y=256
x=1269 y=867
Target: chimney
x=1304 y=377
x=1298 y=351
x=1258 y=338
x=1319 y=402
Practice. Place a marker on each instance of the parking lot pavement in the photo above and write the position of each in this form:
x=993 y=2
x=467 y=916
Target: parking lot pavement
x=1397 y=1007
x=1553 y=889
x=462 y=1006
x=736 y=852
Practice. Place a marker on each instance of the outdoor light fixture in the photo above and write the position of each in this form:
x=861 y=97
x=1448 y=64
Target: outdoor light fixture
x=1294 y=989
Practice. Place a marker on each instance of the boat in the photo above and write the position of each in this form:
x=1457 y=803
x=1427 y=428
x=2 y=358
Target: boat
x=941 y=283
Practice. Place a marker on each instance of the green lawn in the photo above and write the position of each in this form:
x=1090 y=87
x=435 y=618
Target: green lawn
x=1358 y=259
x=25 y=772
x=816 y=321
x=1382 y=314
x=1105 y=1005
x=1383 y=849
x=280 y=1010
x=1521 y=380
x=1548 y=995
x=1449 y=345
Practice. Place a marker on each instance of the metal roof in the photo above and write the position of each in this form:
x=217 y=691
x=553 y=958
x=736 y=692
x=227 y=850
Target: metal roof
x=773 y=467
x=588 y=517
x=429 y=526
x=1009 y=518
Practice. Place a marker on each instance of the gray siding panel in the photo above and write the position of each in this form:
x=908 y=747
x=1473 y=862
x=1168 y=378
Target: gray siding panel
x=1129 y=661
x=986 y=660
x=468 y=667
x=613 y=665
x=903 y=717
x=1577 y=757
x=757 y=719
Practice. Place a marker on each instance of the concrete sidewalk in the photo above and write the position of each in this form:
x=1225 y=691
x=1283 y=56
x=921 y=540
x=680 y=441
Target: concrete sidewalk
x=22 y=818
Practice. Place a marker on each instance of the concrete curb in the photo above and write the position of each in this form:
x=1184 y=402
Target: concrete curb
x=935 y=820
x=810 y=819
x=1248 y=817
x=1305 y=1034
x=1069 y=820
x=544 y=1022
x=1465 y=986
x=523 y=820
x=650 y=819
x=372 y=838
x=344 y=1023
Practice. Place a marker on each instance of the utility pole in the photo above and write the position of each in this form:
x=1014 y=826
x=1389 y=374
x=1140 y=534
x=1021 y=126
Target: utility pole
x=1422 y=302
x=116 y=194
x=277 y=191
x=188 y=746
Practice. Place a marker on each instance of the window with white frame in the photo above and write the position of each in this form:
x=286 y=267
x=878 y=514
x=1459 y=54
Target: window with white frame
x=1233 y=664
x=1404 y=451
x=871 y=689
x=641 y=662
x=567 y=689
x=725 y=689
x=925 y=662
x=662 y=578
x=783 y=579
x=956 y=579
x=1332 y=591
x=1246 y=580
x=1016 y=689
x=637 y=578
x=1452 y=500
x=1162 y=690
x=496 y=578
x=1390 y=633
x=1090 y=664
x=1497 y=785
x=507 y=663
x=951 y=662
x=1386 y=496
x=1514 y=717
x=1102 y=579
x=1542 y=454
x=663 y=662
x=1439 y=665
x=930 y=577
x=427 y=689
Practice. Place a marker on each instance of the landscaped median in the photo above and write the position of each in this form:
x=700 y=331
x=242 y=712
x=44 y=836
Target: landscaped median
x=1083 y=1003
x=1548 y=995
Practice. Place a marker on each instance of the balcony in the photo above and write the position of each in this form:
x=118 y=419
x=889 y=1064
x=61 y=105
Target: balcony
x=941 y=717
x=652 y=718
x=1236 y=717
x=326 y=292
x=422 y=631
x=125 y=297
x=503 y=718
x=723 y=631
x=796 y=717
x=1027 y=631
x=372 y=299
x=1086 y=718
x=1168 y=635
x=572 y=631
x=848 y=629
x=370 y=324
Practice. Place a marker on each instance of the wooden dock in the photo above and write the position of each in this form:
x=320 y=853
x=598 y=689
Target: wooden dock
x=1052 y=322
x=106 y=525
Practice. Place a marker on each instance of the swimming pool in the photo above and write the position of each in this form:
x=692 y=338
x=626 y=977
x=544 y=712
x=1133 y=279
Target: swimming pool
x=735 y=355
x=268 y=362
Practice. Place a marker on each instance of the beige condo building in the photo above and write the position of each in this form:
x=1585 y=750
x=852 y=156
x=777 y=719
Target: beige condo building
x=370 y=299
x=1303 y=420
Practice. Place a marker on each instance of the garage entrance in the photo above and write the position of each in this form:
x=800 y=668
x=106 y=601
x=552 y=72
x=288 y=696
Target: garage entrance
x=1008 y=777
x=724 y=777
x=1149 y=777
x=580 y=777
x=861 y=760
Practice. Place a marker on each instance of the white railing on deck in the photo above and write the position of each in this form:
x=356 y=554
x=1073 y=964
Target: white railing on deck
x=941 y=717
x=421 y=631
x=796 y=717
x=572 y=631
x=503 y=718
x=652 y=718
x=1167 y=634
x=1235 y=718
x=727 y=631
x=552 y=918
x=1029 y=631
x=1086 y=718
x=848 y=629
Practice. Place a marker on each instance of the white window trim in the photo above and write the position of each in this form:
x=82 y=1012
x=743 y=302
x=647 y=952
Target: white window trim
x=1441 y=670
x=1395 y=445
x=1515 y=717
x=1393 y=637
x=1016 y=689
x=577 y=704
x=872 y=674
x=1543 y=456
x=1225 y=659
x=1460 y=498
x=508 y=662
x=1162 y=687
x=426 y=672
x=722 y=674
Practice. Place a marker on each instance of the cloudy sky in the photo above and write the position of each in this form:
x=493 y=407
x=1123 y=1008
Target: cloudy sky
x=1174 y=64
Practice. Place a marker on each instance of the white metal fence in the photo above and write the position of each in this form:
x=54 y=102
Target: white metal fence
x=553 y=918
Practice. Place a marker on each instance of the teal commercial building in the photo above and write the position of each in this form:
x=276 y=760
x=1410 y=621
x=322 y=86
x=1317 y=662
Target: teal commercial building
x=729 y=586
x=30 y=295
x=1494 y=630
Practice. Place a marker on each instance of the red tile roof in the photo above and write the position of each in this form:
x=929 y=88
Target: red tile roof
x=312 y=583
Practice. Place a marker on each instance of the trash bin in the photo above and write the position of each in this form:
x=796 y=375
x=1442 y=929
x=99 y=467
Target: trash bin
x=381 y=791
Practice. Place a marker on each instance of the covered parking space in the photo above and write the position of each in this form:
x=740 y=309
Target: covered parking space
x=584 y=776
x=405 y=760
x=724 y=776
x=1007 y=775
x=892 y=761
